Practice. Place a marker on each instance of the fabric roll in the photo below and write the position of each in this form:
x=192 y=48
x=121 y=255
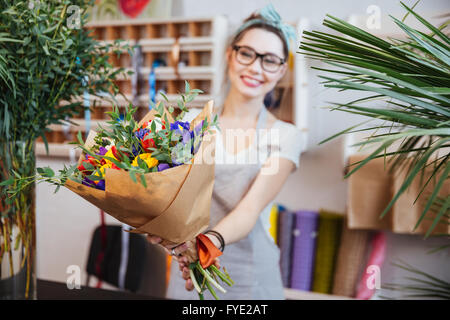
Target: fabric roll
x=286 y=220
x=303 y=251
x=273 y=220
x=329 y=231
x=370 y=280
x=351 y=258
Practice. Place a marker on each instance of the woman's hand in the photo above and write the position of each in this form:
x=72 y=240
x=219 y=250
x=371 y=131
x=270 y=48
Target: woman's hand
x=184 y=261
x=178 y=249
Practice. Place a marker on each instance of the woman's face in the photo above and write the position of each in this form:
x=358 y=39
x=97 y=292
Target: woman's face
x=252 y=81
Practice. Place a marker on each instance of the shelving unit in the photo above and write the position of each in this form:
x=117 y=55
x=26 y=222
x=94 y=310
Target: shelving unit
x=192 y=50
x=293 y=294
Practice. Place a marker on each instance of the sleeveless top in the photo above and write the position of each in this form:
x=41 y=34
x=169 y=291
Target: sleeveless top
x=252 y=262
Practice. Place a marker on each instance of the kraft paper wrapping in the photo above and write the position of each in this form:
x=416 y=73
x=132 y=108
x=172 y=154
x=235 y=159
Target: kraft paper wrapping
x=369 y=193
x=351 y=258
x=176 y=203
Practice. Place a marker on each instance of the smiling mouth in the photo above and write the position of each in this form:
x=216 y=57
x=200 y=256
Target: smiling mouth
x=251 y=82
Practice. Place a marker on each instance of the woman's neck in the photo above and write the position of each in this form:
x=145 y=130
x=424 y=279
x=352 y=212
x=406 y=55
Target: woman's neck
x=238 y=106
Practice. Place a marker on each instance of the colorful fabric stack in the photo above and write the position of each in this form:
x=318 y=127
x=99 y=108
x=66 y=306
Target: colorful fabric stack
x=303 y=250
x=351 y=256
x=329 y=231
x=286 y=220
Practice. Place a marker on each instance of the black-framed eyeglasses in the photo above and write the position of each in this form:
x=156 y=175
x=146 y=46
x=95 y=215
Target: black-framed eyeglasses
x=269 y=61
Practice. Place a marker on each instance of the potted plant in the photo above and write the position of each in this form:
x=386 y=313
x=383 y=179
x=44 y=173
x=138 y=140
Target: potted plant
x=411 y=79
x=47 y=61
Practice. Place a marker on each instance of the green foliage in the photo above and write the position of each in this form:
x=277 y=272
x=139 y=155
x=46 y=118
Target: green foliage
x=121 y=131
x=420 y=284
x=45 y=58
x=411 y=78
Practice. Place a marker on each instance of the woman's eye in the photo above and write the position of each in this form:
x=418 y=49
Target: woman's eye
x=270 y=61
x=247 y=54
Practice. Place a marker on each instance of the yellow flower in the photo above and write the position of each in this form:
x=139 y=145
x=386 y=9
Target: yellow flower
x=102 y=169
x=110 y=154
x=147 y=158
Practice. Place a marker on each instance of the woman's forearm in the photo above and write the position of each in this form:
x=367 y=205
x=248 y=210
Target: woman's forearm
x=237 y=224
x=240 y=221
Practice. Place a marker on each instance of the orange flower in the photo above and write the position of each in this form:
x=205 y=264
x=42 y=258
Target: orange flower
x=207 y=251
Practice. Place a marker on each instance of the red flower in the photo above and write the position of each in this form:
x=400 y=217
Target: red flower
x=115 y=153
x=147 y=143
x=90 y=160
x=113 y=166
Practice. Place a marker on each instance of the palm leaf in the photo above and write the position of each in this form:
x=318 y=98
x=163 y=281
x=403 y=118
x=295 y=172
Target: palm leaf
x=422 y=284
x=411 y=78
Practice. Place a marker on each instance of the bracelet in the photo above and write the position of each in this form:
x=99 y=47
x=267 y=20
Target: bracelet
x=219 y=237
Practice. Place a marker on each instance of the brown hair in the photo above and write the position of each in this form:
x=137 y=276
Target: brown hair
x=238 y=36
x=265 y=26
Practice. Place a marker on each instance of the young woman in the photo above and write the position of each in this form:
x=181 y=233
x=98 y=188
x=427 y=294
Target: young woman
x=244 y=189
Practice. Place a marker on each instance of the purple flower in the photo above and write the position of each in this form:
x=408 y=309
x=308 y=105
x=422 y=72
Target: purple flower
x=163 y=166
x=102 y=151
x=177 y=124
x=101 y=185
x=141 y=133
x=88 y=182
x=136 y=151
x=196 y=136
x=187 y=136
x=198 y=128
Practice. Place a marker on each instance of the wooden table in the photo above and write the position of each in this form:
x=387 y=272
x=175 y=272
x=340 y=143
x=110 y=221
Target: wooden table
x=51 y=290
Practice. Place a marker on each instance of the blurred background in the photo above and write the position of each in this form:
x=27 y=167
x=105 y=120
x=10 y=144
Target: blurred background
x=66 y=223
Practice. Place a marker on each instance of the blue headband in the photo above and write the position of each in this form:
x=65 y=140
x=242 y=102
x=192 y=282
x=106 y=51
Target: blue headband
x=271 y=17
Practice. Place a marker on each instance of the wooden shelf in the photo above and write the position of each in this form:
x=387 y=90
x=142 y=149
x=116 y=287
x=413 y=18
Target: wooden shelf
x=165 y=44
x=191 y=73
x=199 y=60
x=294 y=294
x=62 y=150
x=81 y=125
x=144 y=21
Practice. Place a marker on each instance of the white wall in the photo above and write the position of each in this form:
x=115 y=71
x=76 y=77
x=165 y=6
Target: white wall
x=65 y=221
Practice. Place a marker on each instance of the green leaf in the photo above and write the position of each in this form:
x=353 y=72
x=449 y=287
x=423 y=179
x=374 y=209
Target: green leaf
x=143 y=181
x=48 y=172
x=133 y=176
x=8 y=182
x=420 y=164
x=164 y=96
x=94 y=177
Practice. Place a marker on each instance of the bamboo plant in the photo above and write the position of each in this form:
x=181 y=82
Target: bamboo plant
x=410 y=80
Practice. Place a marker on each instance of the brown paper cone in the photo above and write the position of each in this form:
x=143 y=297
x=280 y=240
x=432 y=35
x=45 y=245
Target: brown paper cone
x=176 y=203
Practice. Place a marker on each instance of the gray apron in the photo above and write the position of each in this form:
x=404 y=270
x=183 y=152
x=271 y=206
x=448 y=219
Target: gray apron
x=253 y=262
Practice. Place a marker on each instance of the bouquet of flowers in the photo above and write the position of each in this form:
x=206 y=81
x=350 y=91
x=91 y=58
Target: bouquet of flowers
x=156 y=176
